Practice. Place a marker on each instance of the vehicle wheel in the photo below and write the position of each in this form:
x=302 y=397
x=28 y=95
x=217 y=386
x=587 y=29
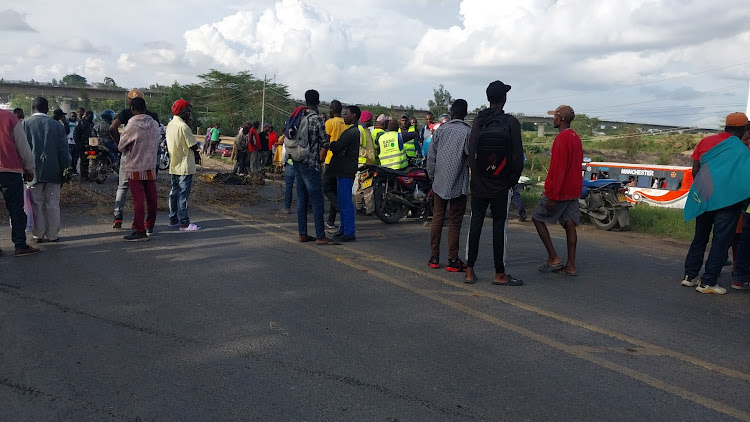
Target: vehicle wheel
x=164 y=162
x=608 y=222
x=387 y=212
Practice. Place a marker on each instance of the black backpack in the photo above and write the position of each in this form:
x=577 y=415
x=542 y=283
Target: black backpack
x=493 y=155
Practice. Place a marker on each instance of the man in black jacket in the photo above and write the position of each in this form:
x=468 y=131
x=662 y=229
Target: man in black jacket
x=344 y=163
x=81 y=136
x=493 y=185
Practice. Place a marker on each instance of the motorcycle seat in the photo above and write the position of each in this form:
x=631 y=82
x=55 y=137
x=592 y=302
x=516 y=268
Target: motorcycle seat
x=596 y=184
x=404 y=172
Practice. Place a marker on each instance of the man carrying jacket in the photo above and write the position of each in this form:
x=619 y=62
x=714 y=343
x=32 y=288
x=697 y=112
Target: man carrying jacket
x=490 y=190
x=344 y=167
x=16 y=164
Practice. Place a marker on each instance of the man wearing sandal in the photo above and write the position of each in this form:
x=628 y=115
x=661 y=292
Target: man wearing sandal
x=562 y=188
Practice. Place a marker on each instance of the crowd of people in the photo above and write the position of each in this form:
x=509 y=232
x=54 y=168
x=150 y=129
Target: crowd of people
x=323 y=156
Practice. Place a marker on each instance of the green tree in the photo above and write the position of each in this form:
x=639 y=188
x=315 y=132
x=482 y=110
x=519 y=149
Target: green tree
x=21 y=101
x=584 y=125
x=479 y=109
x=73 y=79
x=442 y=102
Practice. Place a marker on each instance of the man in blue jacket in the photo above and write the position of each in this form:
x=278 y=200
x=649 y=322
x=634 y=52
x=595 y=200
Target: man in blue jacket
x=51 y=156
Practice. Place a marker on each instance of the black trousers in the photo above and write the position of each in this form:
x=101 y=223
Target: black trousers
x=84 y=161
x=499 y=207
x=330 y=190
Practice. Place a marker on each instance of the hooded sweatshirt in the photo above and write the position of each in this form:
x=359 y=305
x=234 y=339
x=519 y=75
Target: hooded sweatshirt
x=484 y=187
x=140 y=140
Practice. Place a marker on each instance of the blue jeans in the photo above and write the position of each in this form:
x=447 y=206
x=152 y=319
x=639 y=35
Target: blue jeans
x=288 y=185
x=723 y=222
x=309 y=189
x=122 y=189
x=178 y=199
x=346 y=206
x=11 y=184
x=516 y=198
x=742 y=265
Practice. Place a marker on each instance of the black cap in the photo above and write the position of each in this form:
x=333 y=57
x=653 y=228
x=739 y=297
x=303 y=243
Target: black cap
x=497 y=90
x=58 y=112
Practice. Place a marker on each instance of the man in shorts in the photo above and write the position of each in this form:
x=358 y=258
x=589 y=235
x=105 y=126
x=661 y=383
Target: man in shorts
x=562 y=188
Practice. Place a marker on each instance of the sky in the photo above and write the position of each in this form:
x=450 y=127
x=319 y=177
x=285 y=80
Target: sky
x=684 y=63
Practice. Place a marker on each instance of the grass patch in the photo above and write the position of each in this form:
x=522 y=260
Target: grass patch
x=661 y=222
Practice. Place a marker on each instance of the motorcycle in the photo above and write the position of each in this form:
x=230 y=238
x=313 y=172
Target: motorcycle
x=605 y=203
x=394 y=194
x=163 y=161
x=102 y=162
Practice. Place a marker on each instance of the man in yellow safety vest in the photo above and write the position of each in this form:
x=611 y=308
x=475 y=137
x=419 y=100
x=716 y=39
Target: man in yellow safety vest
x=392 y=151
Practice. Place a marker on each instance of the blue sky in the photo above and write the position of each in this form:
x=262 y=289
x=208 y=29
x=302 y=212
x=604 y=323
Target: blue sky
x=671 y=62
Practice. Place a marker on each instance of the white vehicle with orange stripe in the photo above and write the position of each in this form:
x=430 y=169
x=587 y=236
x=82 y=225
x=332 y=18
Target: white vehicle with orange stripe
x=656 y=185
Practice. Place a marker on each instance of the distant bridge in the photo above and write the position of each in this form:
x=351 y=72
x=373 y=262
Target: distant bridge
x=68 y=92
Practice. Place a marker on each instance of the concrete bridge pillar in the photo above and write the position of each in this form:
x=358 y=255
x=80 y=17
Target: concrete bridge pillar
x=65 y=104
x=540 y=129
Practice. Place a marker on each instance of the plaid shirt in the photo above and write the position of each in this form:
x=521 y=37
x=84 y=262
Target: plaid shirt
x=447 y=159
x=317 y=138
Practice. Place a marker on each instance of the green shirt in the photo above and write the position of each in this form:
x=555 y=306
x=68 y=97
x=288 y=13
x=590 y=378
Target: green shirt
x=215 y=132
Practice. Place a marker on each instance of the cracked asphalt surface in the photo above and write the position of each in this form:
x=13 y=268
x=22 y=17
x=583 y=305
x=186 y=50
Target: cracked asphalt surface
x=240 y=322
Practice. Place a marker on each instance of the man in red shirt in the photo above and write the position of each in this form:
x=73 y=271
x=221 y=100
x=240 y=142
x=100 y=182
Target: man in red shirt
x=562 y=188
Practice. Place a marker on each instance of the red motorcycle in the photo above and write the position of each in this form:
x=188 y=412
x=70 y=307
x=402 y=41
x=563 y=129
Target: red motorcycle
x=395 y=194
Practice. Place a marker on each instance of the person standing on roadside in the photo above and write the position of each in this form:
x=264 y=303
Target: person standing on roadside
x=81 y=136
x=335 y=126
x=215 y=139
x=448 y=168
x=253 y=142
x=719 y=186
x=562 y=188
x=122 y=118
x=16 y=165
x=51 y=158
x=343 y=166
x=19 y=113
x=140 y=140
x=72 y=123
x=496 y=160
x=239 y=152
x=307 y=172
x=182 y=145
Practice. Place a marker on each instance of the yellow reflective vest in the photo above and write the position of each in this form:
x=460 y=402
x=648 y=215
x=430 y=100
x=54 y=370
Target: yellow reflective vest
x=410 y=147
x=392 y=155
x=366 y=148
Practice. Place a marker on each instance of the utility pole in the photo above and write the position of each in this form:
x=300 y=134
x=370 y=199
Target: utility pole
x=263 y=104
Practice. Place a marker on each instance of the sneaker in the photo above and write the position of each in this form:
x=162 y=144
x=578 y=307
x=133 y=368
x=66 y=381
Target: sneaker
x=40 y=240
x=118 y=222
x=337 y=234
x=136 y=237
x=28 y=251
x=330 y=225
x=346 y=238
x=690 y=282
x=174 y=224
x=455 y=266
x=434 y=262
x=705 y=288
x=287 y=210
x=741 y=286
x=149 y=231
x=190 y=228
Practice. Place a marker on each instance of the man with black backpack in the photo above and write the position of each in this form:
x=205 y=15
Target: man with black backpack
x=496 y=162
x=306 y=143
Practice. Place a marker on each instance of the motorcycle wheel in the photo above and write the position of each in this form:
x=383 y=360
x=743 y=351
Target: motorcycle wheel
x=101 y=172
x=387 y=212
x=164 y=162
x=609 y=222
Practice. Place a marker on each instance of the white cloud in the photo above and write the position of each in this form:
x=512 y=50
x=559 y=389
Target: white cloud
x=95 y=69
x=11 y=20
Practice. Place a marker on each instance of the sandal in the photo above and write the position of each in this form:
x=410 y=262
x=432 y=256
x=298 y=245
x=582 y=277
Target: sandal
x=511 y=282
x=326 y=241
x=562 y=271
x=306 y=238
x=472 y=281
x=547 y=268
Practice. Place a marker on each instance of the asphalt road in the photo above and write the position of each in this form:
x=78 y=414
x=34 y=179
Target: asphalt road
x=241 y=322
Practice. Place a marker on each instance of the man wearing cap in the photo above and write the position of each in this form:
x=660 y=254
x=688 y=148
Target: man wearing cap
x=491 y=184
x=448 y=168
x=122 y=118
x=378 y=129
x=720 y=207
x=182 y=146
x=562 y=188
x=81 y=136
